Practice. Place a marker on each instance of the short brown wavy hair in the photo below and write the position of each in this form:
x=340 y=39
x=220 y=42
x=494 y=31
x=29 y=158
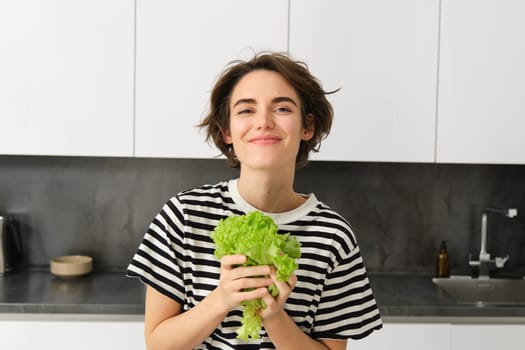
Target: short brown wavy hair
x=315 y=107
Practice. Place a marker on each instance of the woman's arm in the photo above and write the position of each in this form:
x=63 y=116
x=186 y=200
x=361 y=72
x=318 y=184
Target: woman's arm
x=166 y=327
x=281 y=328
x=285 y=334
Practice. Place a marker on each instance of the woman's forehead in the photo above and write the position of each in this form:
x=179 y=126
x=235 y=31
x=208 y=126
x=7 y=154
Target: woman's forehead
x=263 y=85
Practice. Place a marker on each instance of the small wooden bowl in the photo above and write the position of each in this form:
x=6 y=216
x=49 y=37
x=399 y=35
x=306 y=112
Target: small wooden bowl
x=68 y=266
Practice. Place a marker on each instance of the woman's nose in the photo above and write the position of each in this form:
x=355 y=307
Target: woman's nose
x=265 y=120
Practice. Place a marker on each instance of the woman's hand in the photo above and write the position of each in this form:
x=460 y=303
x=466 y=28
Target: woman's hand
x=239 y=283
x=275 y=304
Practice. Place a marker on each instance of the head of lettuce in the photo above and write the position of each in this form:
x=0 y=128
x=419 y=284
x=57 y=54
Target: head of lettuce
x=255 y=236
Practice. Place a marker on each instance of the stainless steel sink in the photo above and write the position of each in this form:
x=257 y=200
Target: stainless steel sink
x=467 y=290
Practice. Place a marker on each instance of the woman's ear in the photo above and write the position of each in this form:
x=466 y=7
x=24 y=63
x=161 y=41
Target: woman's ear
x=308 y=131
x=226 y=137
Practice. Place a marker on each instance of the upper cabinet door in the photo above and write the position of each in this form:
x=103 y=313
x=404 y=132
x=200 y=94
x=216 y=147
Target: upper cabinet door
x=481 y=112
x=182 y=46
x=383 y=56
x=66 y=77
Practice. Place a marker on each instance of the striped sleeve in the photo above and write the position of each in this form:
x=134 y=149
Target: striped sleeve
x=157 y=260
x=347 y=308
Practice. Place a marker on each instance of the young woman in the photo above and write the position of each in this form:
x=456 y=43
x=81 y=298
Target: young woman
x=266 y=115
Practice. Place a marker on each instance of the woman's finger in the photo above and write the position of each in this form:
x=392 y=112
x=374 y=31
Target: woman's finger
x=292 y=281
x=284 y=287
x=244 y=284
x=249 y=271
x=252 y=294
x=230 y=261
x=231 y=264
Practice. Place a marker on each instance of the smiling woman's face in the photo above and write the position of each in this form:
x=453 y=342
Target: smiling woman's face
x=265 y=121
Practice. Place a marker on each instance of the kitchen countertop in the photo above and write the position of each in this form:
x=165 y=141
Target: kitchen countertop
x=400 y=298
x=405 y=298
x=96 y=293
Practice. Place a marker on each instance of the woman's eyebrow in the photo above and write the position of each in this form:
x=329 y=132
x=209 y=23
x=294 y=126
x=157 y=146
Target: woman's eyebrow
x=284 y=99
x=274 y=100
x=244 y=100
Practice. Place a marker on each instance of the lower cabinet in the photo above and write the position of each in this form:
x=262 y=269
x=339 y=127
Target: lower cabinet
x=443 y=336
x=487 y=337
x=406 y=336
x=85 y=333
x=78 y=334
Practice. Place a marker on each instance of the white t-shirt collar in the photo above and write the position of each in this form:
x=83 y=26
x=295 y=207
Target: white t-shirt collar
x=278 y=218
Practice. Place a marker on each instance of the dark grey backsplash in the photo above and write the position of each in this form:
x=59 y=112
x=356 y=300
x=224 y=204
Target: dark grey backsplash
x=400 y=212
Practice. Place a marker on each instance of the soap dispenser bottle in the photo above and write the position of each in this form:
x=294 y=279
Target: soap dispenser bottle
x=442 y=266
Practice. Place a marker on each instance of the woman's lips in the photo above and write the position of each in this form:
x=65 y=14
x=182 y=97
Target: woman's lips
x=265 y=140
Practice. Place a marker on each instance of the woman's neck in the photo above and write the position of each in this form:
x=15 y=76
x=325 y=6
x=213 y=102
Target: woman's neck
x=269 y=192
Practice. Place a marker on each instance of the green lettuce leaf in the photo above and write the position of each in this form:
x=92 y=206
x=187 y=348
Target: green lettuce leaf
x=255 y=235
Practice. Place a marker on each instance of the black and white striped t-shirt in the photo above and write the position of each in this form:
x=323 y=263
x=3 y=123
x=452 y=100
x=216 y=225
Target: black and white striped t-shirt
x=332 y=298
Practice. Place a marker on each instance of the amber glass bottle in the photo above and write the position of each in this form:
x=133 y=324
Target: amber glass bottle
x=442 y=266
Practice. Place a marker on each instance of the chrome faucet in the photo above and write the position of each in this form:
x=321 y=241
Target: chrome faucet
x=485 y=263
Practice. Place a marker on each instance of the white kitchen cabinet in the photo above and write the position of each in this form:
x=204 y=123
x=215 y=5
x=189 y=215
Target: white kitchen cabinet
x=181 y=48
x=481 y=108
x=383 y=55
x=406 y=336
x=53 y=332
x=487 y=336
x=66 y=85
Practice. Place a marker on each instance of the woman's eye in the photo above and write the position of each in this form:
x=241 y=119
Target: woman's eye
x=282 y=109
x=244 y=111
